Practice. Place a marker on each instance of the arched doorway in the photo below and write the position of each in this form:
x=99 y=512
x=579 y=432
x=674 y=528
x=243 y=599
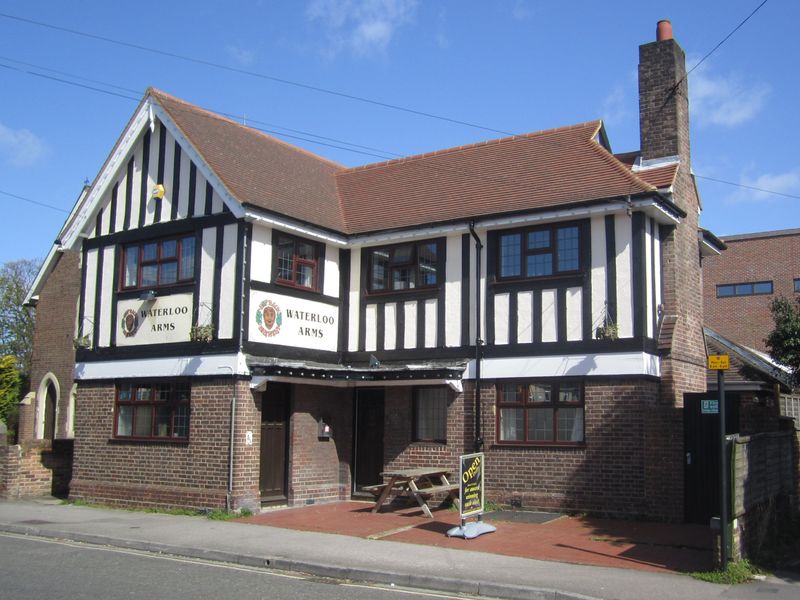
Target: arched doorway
x=50 y=401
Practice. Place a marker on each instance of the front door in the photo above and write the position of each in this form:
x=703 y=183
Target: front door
x=368 y=438
x=701 y=452
x=274 y=442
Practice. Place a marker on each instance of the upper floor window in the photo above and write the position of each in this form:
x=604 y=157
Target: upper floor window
x=797 y=285
x=757 y=288
x=404 y=267
x=430 y=414
x=152 y=410
x=540 y=412
x=159 y=262
x=296 y=262
x=540 y=251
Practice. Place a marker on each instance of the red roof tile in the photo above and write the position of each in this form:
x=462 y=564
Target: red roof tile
x=258 y=169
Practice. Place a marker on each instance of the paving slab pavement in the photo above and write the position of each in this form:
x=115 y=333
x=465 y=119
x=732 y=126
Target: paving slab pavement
x=348 y=557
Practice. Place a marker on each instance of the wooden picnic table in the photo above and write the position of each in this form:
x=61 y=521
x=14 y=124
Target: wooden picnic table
x=419 y=483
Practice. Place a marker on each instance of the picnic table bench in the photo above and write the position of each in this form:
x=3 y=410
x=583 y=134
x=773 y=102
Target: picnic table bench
x=418 y=483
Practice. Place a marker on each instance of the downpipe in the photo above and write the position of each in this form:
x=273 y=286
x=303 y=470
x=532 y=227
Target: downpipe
x=478 y=340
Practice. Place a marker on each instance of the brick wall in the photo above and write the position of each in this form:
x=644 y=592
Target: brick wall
x=772 y=257
x=35 y=468
x=190 y=474
x=609 y=475
x=54 y=332
x=319 y=470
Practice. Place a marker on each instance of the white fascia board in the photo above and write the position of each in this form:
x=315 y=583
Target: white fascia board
x=620 y=364
x=183 y=366
x=106 y=177
x=227 y=197
x=654 y=209
x=301 y=230
x=259 y=383
x=42 y=274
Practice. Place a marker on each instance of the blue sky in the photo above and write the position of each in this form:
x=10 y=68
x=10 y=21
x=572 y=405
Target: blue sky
x=513 y=65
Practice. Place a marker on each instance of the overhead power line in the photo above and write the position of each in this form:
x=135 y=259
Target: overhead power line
x=33 y=201
x=749 y=187
x=256 y=74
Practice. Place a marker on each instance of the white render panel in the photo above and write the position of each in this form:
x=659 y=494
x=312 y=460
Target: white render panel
x=183 y=366
x=208 y=253
x=431 y=322
x=549 y=316
x=136 y=185
x=410 y=331
x=648 y=269
x=227 y=301
x=169 y=189
x=105 y=220
x=330 y=287
x=576 y=365
x=452 y=292
x=390 y=326
x=524 y=317
x=216 y=203
x=183 y=194
x=261 y=254
x=152 y=176
x=119 y=218
x=90 y=292
x=574 y=314
x=623 y=237
x=599 y=275
x=106 y=296
x=371 y=328
x=355 y=287
x=501 y=303
x=657 y=274
x=200 y=194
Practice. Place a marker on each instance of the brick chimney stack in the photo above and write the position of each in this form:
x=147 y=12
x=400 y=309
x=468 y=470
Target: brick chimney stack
x=663 y=97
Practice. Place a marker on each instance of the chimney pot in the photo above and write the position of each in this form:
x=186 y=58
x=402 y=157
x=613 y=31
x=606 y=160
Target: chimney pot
x=663 y=31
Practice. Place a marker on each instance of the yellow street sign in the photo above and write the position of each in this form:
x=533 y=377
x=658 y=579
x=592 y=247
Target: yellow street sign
x=719 y=362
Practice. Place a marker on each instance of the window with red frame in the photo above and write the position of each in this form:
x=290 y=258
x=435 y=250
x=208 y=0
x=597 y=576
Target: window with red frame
x=297 y=262
x=152 y=411
x=540 y=413
x=158 y=263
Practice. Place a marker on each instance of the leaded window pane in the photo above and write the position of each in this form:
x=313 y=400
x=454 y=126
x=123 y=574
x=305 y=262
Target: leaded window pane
x=540 y=424
x=131 y=266
x=143 y=422
x=569 y=392
x=512 y=425
x=539 y=265
x=150 y=251
x=124 y=420
x=380 y=267
x=427 y=264
x=539 y=392
x=169 y=249
x=568 y=249
x=187 y=258
x=570 y=424
x=510 y=257
x=402 y=278
x=149 y=276
x=168 y=273
x=305 y=276
x=538 y=239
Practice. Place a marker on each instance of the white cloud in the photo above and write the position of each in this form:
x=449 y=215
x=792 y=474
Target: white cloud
x=522 y=10
x=362 y=26
x=724 y=100
x=243 y=56
x=21 y=147
x=759 y=188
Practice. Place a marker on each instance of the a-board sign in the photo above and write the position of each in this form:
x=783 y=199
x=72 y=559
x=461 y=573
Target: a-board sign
x=719 y=362
x=470 y=493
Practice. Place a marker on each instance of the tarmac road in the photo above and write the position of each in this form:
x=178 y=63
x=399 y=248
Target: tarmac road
x=36 y=568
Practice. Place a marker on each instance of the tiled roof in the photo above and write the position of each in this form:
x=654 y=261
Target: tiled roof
x=258 y=169
x=542 y=170
x=547 y=169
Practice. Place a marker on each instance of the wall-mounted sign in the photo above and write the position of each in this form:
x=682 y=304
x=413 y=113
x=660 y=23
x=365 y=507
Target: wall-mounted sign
x=471 y=490
x=162 y=320
x=296 y=322
x=709 y=407
x=719 y=362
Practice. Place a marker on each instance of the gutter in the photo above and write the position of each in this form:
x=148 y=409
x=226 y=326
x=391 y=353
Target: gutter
x=478 y=340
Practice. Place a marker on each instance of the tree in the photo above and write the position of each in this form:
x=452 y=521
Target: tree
x=783 y=341
x=10 y=387
x=16 y=321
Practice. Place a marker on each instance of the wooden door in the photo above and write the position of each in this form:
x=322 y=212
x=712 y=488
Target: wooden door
x=702 y=453
x=368 y=438
x=274 y=442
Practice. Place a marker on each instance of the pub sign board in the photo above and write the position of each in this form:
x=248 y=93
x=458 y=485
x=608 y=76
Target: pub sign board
x=471 y=490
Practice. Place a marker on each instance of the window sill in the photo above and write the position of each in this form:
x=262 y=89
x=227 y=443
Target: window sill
x=294 y=286
x=541 y=445
x=149 y=440
x=435 y=443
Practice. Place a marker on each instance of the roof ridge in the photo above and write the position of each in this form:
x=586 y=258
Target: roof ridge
x=473 y=145
x=160 y=94
x=617 y=164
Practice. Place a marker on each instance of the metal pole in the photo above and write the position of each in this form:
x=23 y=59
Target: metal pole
x=723 y=521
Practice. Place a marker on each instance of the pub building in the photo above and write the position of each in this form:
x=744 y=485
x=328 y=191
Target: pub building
x=259 y=325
